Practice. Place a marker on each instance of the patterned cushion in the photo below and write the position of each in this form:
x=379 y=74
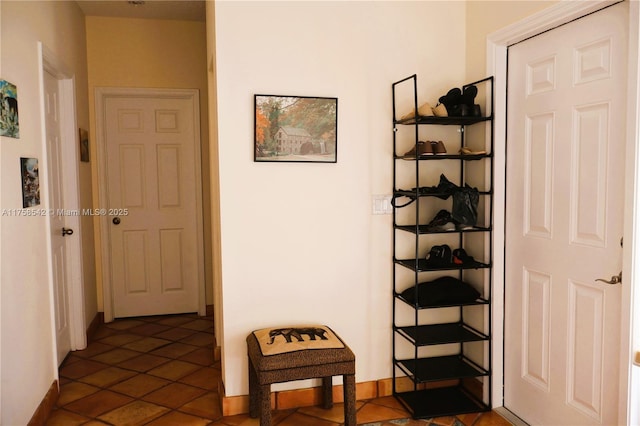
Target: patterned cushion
x=273 y=341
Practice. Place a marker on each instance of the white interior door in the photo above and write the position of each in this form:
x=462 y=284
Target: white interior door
x=565 y=174
x=57 y=220
x=152 y=146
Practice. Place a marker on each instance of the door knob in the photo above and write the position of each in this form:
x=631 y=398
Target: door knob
x=116 y=221
x=616 y=279
x=66 y=231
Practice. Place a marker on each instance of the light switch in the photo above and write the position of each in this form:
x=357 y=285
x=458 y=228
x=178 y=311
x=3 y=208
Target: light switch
x=382 y=204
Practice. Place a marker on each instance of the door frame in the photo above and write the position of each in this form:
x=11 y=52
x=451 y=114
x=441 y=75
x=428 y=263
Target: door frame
x=102 y=94
x=71 y=189
x=497 y=47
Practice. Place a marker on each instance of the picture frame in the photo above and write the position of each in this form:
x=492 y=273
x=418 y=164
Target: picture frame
x=298 y=129
x=9 y=123
x=30 y=181
x=84 y=145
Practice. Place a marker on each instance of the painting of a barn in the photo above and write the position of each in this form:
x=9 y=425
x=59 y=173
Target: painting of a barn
x=295 y=128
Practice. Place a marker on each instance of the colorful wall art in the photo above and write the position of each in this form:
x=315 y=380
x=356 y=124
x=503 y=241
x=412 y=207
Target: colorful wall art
x=30 y=182
x=9 y=125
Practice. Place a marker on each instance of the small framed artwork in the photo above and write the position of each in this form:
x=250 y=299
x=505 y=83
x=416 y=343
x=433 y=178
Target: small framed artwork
x=295 y=129
x=30 y=182
x=9 y=124
x=84 y=145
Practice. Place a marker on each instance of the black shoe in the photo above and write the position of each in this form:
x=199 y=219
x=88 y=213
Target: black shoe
x=442 y=222
x=460 y=257
x=439 y=256
x=451 y=100
x=468 y=96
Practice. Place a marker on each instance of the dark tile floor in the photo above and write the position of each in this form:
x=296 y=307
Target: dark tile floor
x=161 y=371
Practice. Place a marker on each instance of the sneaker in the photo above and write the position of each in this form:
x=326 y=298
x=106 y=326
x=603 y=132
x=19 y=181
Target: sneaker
x=442 y=222
x=460 y=257
x=463 y=226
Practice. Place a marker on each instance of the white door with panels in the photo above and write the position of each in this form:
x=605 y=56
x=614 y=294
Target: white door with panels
x=154 y=207
x=59 y=232
x=564 y=221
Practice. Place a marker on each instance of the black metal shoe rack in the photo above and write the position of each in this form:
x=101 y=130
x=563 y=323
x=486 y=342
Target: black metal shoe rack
x=442 y=351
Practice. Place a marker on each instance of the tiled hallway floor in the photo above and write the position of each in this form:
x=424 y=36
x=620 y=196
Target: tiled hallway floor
x=161 y=371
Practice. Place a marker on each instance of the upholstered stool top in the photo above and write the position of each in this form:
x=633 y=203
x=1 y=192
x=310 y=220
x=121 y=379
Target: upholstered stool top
x=275 y=341
x=290 y=347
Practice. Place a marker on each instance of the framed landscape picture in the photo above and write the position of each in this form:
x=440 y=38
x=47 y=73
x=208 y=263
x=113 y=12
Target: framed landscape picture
x=295 y=129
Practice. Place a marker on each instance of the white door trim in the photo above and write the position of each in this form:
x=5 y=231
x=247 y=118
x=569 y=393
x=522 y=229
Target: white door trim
x=68 y=128
x=497 y=45
x=101 y=96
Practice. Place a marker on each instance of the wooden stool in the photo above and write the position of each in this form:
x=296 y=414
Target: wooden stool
x=283 y=354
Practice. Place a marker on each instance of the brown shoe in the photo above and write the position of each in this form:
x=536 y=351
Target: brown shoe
x=423 y=148
x=438 y=148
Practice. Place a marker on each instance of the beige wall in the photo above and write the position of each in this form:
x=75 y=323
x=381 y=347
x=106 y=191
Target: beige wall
x=484 y=17
x=299 y=241
x=316 y=254
x=155 y=54
x=28 y=365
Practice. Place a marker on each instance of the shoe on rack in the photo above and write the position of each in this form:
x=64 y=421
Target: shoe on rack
x=470 y=108
x=438 y=147
x=451 y=99
x=422 y=148
x=468 y=151
x=464 y=110
x=442 y=221
x=463 y=226
x=424 y=110
x=460 y=257
x=439 y=256
x=440 y=111
x=460 y=103
x=468 y=96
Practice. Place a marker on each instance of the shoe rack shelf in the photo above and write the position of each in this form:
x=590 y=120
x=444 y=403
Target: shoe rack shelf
x=449 y=157
x=444 y=121
x=441 y=345
x=422 y=265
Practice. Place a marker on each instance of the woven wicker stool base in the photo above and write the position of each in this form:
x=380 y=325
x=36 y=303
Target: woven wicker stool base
x=298 y=365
